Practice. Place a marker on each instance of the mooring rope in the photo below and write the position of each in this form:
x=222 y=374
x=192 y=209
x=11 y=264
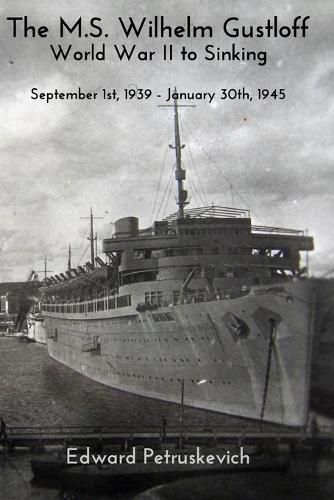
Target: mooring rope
x=267 y=378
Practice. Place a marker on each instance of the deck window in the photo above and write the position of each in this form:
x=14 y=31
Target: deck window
x=163 y=317
x=111 y=303
x=124 y=301
x=154 y=297
x=176 y=297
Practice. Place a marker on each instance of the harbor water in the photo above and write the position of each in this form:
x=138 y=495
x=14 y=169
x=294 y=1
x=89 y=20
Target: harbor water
x=37 y=391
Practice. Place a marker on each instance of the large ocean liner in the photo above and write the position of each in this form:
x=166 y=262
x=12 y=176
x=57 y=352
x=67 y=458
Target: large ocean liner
x=202 y=300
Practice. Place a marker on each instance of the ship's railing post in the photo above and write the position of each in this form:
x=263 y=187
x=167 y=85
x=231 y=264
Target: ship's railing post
x=182 y=415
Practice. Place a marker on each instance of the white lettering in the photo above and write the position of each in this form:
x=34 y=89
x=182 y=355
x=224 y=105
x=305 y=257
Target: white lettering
x=69 y=456
x=148 y=453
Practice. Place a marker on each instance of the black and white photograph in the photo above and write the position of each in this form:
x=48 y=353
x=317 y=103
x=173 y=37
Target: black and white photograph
x=166 y=250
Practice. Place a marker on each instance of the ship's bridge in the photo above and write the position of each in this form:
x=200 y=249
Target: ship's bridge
x=203 y=224
x=196 y=224
x=220 y=237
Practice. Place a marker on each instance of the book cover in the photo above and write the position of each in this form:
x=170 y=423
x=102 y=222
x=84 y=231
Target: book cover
x=166 y=248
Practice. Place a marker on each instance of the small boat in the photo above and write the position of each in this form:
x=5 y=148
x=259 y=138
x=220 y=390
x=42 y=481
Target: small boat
x=124 y=476
x=35 y=324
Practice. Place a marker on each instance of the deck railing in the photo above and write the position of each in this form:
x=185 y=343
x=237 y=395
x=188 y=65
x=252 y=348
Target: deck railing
x=277 y=230
x=211 y=211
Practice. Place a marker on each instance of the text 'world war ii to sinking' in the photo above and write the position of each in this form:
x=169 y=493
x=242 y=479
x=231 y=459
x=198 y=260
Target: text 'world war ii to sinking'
x=138 y=39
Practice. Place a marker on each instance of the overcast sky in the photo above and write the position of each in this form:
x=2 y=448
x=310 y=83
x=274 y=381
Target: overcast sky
x=61 y=158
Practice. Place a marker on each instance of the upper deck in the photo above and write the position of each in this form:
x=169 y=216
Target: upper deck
x=220 y=238
x=209 y=246
x=204 y=225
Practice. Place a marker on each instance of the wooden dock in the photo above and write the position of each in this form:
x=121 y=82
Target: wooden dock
x=126 y=437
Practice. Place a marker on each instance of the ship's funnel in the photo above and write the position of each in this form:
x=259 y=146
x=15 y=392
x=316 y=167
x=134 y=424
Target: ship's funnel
x=127 y=227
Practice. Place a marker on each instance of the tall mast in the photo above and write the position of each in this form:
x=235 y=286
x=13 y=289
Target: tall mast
x=180 y=173
x=45 y=270
x=91 y=237
x=69 y=264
